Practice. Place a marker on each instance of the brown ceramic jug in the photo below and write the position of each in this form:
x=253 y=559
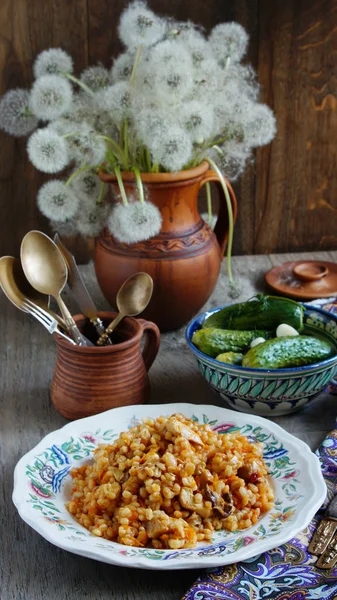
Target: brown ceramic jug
x=183 y=259
x=89 y=379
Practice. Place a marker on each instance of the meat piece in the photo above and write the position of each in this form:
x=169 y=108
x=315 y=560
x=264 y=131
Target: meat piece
x=187 y=500
x=156 y=527
x=248 y=473
x=205 y=478
x=175 y=426
x=245 y=473
x=221 y=507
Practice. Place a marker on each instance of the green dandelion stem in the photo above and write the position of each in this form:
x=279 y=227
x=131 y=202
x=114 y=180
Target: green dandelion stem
x=139 y=184
x=121 y=186
x=126 y=141
x=68 y=135
x=116 y=148
x=76 y=173
x=101 y=194
x=80 y=83
x=148 y=162
x=136 y=63
x=230 y=218
x=209 y=202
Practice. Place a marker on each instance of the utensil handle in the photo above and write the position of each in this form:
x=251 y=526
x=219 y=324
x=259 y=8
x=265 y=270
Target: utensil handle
x=99 y=326
x=103 y=338
x=70 y=324
x=152 y=342
x=57 y=317
x=65 y=337
x=221 y=226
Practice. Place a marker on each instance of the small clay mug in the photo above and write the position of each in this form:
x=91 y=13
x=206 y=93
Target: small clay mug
x=90 y=379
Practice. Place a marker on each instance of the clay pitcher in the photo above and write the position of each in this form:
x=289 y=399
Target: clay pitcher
x=183 y=259
x=91 y=379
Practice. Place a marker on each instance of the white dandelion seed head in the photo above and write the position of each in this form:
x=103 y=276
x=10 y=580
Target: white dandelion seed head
x=103 y=123
x=85 y=146
x=171 y=66
x=116 y=101
x=96 y=78
x=166 y=53
x=144 y=83
x=51 y=97
x=16 y=117
x=198 y=119
x=81 y=110
x=152 y=124
x=258 y=124
x=57 y=201
x=62 y=126
x=121 y=69
x=91 y=217
x=233 y=159
x=47 y=151
x=65 y=228
x=82 y=107
x=174 y=83
x=54 y=61
x=174 y=150
x=189 y=32
x=87 y=184
x=181 y=29
x=206 y=76
x=135 y=222
x=139 y=25
x=85 y=109
x=246 y=79
x=195 y=43
x=229 y=42
x=229 y=105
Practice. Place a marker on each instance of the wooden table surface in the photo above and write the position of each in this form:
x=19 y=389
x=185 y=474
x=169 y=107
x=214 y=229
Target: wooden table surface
x=30 y=567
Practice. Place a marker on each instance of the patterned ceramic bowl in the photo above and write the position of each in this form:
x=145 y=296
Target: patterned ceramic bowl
x=270 y=392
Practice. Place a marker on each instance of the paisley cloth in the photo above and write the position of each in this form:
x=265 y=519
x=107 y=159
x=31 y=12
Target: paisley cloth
x=287 y=572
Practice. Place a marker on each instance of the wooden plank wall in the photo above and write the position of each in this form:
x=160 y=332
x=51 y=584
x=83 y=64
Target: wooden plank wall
x=287 y=199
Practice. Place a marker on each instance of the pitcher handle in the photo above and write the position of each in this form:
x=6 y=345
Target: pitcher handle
x=152 y=342
x=221 y=226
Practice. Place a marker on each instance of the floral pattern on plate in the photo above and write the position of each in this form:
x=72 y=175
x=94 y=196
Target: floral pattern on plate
x=43 y=483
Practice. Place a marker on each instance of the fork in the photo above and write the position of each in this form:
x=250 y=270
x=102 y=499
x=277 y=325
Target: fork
x=45 y=319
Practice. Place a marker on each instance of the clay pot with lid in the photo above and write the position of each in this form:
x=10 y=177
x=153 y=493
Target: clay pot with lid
x=183 y=259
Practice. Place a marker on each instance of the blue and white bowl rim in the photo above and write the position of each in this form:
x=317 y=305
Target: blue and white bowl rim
x=199 y=319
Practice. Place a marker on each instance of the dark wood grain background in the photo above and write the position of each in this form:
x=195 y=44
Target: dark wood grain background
x=287 y=198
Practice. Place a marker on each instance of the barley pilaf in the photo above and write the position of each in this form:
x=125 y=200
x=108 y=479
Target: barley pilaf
x=169 y=483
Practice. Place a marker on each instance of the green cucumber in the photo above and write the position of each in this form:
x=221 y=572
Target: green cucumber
x=231 y=358
x=290 y=351
x=216 y=341
x=262 y=312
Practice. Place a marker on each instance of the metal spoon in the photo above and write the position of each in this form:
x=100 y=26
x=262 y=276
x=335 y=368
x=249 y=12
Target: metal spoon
x=16 y=287
x=79 y=289
x=47 y=272
x=132 y=298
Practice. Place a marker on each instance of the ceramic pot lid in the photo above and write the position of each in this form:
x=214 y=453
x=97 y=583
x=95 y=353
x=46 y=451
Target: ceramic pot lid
x=304 y=279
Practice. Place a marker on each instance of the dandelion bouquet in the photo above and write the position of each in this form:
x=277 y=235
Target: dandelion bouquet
x=173 y=98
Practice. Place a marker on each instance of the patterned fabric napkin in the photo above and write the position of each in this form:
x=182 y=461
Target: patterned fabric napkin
x=287 y=572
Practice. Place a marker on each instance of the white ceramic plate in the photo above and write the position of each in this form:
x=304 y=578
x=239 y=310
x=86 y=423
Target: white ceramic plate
x=42 y=485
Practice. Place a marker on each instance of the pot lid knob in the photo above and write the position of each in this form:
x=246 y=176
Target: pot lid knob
x=310 y=270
